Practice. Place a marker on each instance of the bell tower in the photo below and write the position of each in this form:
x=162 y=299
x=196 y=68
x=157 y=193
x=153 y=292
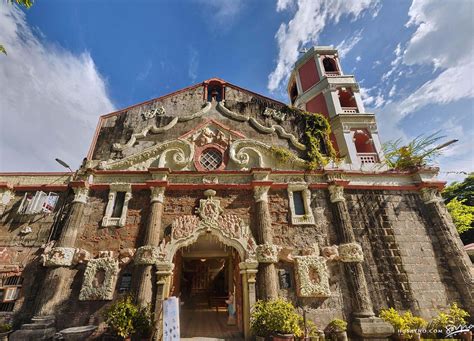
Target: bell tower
x=318 y=84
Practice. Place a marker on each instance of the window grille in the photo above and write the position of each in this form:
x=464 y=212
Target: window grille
x=211 y=159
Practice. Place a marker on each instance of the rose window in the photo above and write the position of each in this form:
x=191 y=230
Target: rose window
x=211 y=159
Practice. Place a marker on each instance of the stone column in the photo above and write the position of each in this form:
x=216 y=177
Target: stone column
x=153 y=236
x=365 y=323
x=163 y=277
x=248 y=270
x=458 y=261
x=267 y=277
x=56 y=286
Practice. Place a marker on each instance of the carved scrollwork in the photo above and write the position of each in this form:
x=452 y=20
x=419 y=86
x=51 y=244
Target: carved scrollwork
x=153 y=112
x=146 y=255
x=59 y=256
x=268 y=253
x=336 y=193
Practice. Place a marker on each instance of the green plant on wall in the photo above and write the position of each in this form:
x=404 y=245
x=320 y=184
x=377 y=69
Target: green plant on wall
x=454 y=317
x=316 y=137
x=275 y=317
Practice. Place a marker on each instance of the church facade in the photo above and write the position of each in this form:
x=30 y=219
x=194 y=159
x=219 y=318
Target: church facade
x=214 y=189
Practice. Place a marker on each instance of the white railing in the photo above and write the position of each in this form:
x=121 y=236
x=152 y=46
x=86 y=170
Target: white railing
x=332 y=73
x=368 y=158
x=350 y=110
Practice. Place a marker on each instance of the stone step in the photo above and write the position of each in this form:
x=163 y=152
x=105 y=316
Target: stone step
x=42 y=318
x=38 y=325
x=34 y=334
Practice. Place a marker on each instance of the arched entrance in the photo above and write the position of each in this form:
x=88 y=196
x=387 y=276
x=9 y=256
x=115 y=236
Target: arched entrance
x=204 y=275
x=197 y=237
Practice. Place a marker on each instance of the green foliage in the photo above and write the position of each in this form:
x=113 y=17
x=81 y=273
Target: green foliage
x=417 y=153
x=462 y=191
x=5 y=327
x=2 y=50
x=24 y=3
x=275 y=316
x=282 y=154
x=337 y=325
x=403 y=324
x=316 y=137
x=454 y=317
x=462 y=214
x=126 y=318
x=311 y=328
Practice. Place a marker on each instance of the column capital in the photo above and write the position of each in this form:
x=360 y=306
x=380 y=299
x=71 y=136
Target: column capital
x=81 y=191
x=157 y=194
x=260 y=190
x=160 y=174
x=164 y=270
x=336 y=193
x=430 y=195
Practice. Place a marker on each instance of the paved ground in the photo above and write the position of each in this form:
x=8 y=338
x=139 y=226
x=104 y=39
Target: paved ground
x=207 y=324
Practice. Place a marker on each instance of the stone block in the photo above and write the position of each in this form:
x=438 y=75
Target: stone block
x=372 y=328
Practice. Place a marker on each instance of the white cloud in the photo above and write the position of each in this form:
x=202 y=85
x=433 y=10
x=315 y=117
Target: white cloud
x=309 y=20
x=224 y=11
x=345 y=46
x=358 y=58
x=50 y=102
x=193 y=64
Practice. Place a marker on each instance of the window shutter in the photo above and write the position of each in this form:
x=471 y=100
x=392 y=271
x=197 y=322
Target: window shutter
x=50 y=202
x=36 y=204
x=11 y=294
x=24 y=204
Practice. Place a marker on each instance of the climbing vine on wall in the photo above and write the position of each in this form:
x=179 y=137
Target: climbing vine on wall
x=316 y=137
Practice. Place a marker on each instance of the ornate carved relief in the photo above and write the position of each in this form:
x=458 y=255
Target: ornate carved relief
x=208 y=136
x=153 y=112
x=175 y=154
x=157 y=194
x=126 y=256
x=229 y=229
x=147 y=255
x=351 y=252
x=158 y=130
x=430 y=195
x=312 y=278
x=268 y=253
x=260 y=127
x=59 y=256
x=336 y=193
x=100 y=278
x=275 y=114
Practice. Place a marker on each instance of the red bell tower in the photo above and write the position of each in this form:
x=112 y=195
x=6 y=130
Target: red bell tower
x=318 y=84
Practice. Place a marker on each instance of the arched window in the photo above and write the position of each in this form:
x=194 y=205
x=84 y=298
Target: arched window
x=329 y=64
x=363 y=142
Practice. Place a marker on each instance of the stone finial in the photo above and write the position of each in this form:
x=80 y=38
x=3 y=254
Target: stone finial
x=430 y=195
x=210 y=193
x=336 y=193
x=157 y=194
x=260 y=193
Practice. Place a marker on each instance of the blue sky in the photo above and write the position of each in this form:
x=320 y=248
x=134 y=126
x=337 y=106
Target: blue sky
x=71 y=61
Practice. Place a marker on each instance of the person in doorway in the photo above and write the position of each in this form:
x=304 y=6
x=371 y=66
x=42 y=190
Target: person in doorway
x=231 y=309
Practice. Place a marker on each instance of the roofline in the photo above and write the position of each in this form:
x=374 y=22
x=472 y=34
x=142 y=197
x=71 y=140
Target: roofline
x=118 y=112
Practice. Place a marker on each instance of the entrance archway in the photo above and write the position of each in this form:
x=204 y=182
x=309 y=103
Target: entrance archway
x=226 y=229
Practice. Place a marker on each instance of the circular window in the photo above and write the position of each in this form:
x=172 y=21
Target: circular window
x=211 y=159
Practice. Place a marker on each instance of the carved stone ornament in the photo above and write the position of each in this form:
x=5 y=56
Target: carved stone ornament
x=100 y=278
x=336 y=193
x=153 y=112
x=275 y=114
x=5 y=196
x=81 y=194
x=228 y=229
x=59 y=256
x=126 y=256
x=207 y=136
x=146 y=255
x=157 y=194
x=81 y=256
x=351 y=252
x=268 y=253
x=330 y=252
x=312 y=278
x=430 y=195
x=260 y=193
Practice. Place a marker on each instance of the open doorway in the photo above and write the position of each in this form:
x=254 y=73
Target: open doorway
x=206 y=272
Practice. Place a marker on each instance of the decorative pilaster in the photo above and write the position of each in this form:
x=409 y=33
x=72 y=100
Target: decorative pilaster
x=163 y=276
x=267 y=277
x=248 y=270
x=365 y=323
x=153 y=235
x=458 y=261
x=56 y=286
x=6 y=194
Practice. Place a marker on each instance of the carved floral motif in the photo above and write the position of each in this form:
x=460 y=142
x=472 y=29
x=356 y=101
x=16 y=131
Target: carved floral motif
x=153 y=112
x=146 y=255
x=330 y=252
x=312 y=278
x=184 y=226
x=350 y=252
x=207 y=136
x=275 y=114
x=100 y=278
x=59 y=256
x=336 y=193
x=268 y=253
